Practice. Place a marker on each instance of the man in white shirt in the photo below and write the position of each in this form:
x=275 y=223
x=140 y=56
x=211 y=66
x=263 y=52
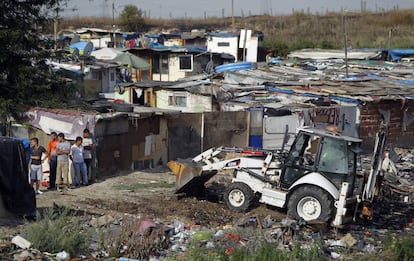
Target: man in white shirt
x=87 y=144
x=62 y=169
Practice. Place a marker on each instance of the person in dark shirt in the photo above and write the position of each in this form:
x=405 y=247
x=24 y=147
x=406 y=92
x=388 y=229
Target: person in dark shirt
x=36 y=171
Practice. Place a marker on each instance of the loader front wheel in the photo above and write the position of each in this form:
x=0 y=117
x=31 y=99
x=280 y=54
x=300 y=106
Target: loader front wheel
x=310 y=203
x=239 y=197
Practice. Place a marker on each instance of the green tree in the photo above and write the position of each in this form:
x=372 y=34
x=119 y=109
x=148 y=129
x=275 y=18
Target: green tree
x=25 y=78
x=131 y=19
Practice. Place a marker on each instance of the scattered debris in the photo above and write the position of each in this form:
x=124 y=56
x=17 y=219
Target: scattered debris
x=101 y=221
x=349 y=240
x=62 y=256
x=21 y=242
x=151 y=235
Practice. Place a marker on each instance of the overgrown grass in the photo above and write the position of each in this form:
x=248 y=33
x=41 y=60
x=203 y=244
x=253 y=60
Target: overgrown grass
x=200 y=254
x=284 y=33
x=269 y=252
x=399 y=248
x=256 y=248
x=138 y=186
x=394 y=248
x=135 y=239
x=62 y=230
x=58 y=231
x=263 y=252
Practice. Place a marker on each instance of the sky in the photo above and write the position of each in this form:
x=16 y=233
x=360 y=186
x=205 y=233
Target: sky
x=218 y=8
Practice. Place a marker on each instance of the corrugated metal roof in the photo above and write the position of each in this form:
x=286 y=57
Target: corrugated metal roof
x=146 y=84
x=377 y=82
x=223 y=35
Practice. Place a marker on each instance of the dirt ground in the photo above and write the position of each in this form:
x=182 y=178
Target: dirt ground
x=145 y=193
x=151 y=194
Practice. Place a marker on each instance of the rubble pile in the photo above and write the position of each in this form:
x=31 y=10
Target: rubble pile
x=141 y=237
x=405 y=165
x=400 y=188
x=158 y=239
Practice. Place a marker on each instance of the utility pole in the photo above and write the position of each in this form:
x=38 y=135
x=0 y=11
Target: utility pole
x=232 y=14
x=389 y=43
x=113 y=23
x=55 y=26
x=345 y=45
x=244 y=44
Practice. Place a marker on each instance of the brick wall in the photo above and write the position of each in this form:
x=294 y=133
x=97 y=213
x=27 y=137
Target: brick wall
x=370 y=119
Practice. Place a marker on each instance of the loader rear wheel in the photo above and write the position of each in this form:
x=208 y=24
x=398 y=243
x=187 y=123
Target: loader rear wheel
x=239 y=197
x=310 y=203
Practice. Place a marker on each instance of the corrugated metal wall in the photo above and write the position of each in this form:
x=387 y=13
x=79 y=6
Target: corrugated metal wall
x=189 y=134
x=138 y=146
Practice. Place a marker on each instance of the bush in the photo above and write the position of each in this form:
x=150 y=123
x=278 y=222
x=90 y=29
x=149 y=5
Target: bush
x=302 y=44
x=200 y=254
x=132 y=241
x=58 y=231
x=398 y=248
x=263 y=252
x=280 y=47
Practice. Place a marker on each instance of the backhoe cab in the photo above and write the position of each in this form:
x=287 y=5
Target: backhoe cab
x=315 y=180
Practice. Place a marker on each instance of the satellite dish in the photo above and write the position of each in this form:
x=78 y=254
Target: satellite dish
x=75 y=39
x=87 y=50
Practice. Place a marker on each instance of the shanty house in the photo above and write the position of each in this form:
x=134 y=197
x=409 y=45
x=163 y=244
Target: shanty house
x=123 y=140
x=185 y=96
x=96 y=76
x=174 y=63
x=139 y=93
x=358 y=104
x=224 y=43
x=246 y=45
x=177 y=98
x=100 y=77
x=99 y=37
x=194 y=38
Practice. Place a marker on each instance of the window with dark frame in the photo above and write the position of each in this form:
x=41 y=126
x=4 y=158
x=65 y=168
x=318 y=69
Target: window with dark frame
x=223 y=44
x=186 y=62
x=180 y=100
x=164 y=63
x=177 y=99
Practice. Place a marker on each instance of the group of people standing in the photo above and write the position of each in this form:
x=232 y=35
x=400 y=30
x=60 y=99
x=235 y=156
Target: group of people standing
x=125 y=72
x=58 y=154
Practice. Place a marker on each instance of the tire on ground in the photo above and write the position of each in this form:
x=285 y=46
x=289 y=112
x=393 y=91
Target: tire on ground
x=310 y=203
x=239 y=197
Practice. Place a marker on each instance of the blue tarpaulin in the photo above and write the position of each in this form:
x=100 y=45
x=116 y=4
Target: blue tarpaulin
x=397 y=54
x=85 y=48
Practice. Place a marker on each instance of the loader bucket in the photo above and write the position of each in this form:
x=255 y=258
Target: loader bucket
x=190 y=178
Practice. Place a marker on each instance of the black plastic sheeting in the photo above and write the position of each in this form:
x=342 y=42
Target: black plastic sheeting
x=17 y=195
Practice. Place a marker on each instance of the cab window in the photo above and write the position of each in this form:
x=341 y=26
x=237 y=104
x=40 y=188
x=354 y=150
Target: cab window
x=334 y=158
x=304 y=151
